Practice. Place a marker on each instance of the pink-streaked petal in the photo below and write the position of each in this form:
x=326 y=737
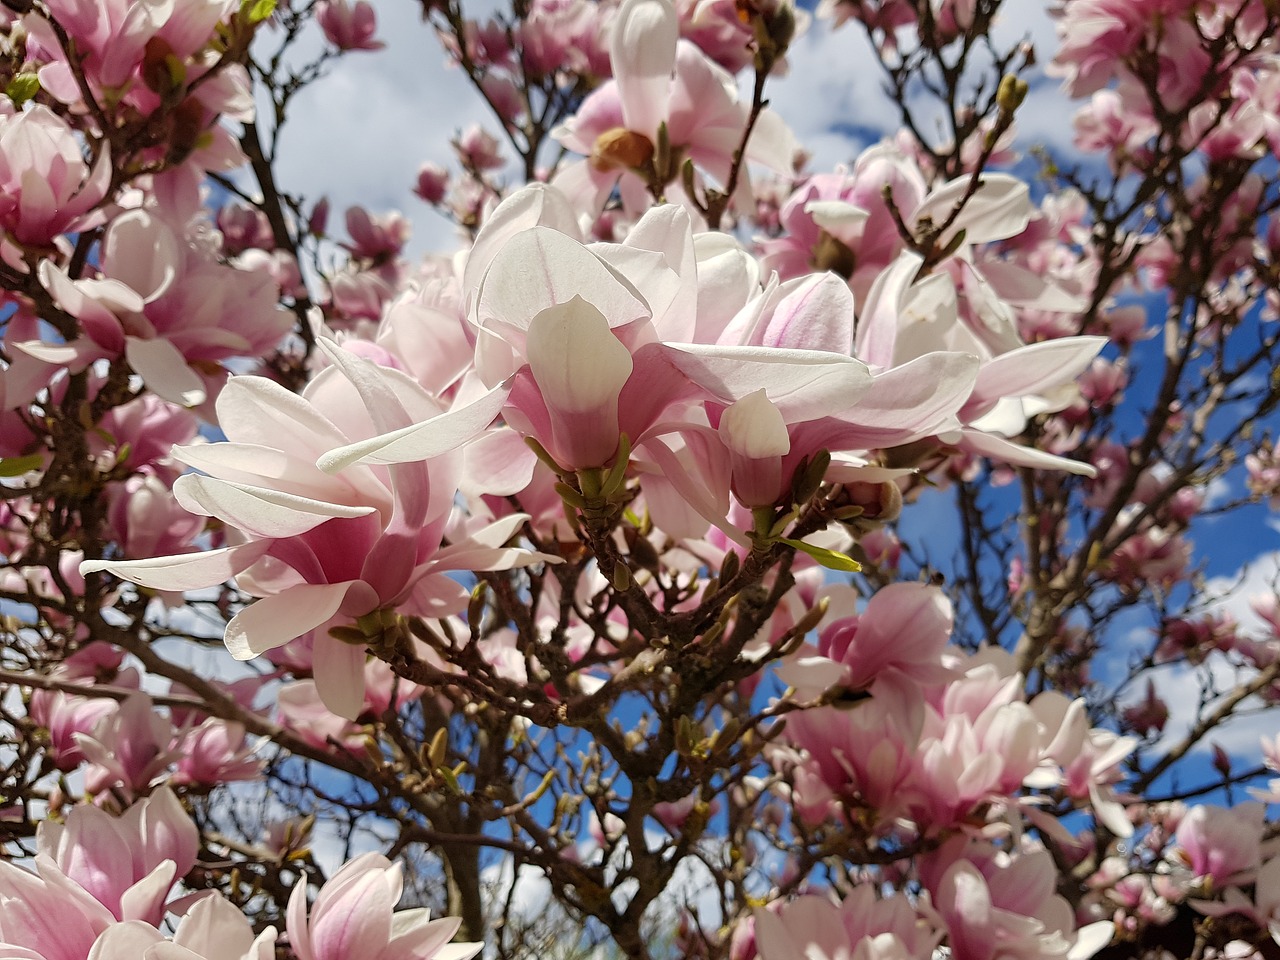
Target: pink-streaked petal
x=816 y=313
x=188 y=571
x=261 y=411
x=297 y=925
x=274 y=621
x=421 y=441
x=1036 y=368
x=918 y=395
x=141 y=251
x=145 y=899
x=258 y=511
x=773 y=937
x=339 y=675
x=534 y=205
x=542 y=268
x=1031 y=291
x=498 y=463
x=877 y=327
x=711 y=505
x=804 y=384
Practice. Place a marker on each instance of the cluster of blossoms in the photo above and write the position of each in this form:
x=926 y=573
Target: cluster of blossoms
x=611 y=459
x=102 y=884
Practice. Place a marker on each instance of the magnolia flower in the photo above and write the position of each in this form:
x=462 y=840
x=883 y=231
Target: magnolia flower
x=862 y=927
x=352 y=919
x=663 y=90
x=48 y=188
x=91 y=873
x=324 y=549
x=212 y=929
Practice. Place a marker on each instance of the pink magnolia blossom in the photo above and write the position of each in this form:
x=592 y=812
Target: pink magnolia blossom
x=862 y=926
x=128 y=863
x=431 y=183
x=904 y=629
x=47 y=186
x=128 y=748
x=660 y=80
x=1263 y=909
x=215 y=752
x=322 y=549
x=1222 y=843
x=842 y=222
x=212 y=929
x=998 y=905
x=349 y=26
x=65 y=714
x=167 y=305
x=352 y=919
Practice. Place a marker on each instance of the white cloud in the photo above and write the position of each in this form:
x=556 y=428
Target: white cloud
x=360 y=133
x=1258 y=577
x=1181 y=686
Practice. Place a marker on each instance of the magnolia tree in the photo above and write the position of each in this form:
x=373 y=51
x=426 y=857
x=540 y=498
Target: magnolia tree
x=712 y=556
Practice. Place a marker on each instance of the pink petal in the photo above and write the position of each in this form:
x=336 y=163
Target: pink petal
x=259 y=511
x=339 y=676
x=274 y=621
x=421 y=441
x=803 y=384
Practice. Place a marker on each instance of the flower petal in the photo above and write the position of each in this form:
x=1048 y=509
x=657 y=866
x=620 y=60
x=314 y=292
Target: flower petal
x=164 y=370
x=274 y=621
x=189 y=571
x=642 y=52
x=258 y=511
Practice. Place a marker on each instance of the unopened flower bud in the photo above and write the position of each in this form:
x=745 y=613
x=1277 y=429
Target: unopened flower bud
x=868 y=505
x=1011 y=93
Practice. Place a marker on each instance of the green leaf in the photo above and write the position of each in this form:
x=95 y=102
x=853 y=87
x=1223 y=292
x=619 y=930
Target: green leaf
x=259 y=10
x=17 y=466
x=22 y=88
x=831 y=559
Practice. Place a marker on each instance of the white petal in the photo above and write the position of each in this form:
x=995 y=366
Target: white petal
x=540 y=268
x=1090 y=939
x=274 y=621
x=188 y=571
x=258 y=511
x=1000 y=208
x=804 y=384
x=1003 y=451
x=164 y=370
x=421 y=441
x=839 y=218
x=642 y=53
x=578 y=363
x=753 y=427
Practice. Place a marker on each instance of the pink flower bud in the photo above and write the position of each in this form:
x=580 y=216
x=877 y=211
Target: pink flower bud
x=433 y=181
x=348 y=26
